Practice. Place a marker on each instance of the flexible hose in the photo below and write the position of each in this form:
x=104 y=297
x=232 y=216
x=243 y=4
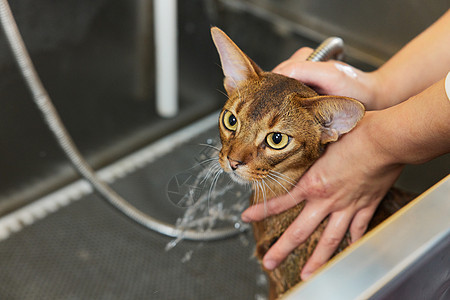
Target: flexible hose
x=332 y=47
x=51 y=117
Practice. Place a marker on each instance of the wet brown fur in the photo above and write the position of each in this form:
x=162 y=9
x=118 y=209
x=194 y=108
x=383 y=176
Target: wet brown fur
x=266 y=102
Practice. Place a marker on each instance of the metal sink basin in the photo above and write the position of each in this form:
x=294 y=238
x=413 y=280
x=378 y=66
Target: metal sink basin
x=58 y=240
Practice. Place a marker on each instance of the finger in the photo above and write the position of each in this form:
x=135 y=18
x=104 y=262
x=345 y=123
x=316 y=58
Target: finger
x=274 y=206
x=300 y=55
x=360 y=222
x=314 y=74
x=295 y=235
x=329 y=241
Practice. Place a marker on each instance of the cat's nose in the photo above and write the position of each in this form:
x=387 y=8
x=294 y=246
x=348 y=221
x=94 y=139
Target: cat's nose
x=234 y=164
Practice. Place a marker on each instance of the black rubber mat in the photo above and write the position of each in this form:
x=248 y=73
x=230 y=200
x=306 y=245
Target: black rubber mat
x=87 y=250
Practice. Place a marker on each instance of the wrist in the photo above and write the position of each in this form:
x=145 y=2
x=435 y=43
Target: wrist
x=378 y=87
x=377 y=137
x=412 y=132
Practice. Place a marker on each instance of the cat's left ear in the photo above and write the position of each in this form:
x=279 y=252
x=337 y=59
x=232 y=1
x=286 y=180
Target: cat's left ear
x=337 y=115
x=237 y=66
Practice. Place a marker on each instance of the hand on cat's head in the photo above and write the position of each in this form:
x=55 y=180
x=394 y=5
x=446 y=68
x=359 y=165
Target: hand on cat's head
x=346 y=185
x=332 y=77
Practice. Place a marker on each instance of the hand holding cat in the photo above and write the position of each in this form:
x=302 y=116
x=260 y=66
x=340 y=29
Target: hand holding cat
x=331 y=77
x=348 y=181
x=346 y=184
x=337 y=184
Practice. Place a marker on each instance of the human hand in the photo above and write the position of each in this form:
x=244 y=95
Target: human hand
x=347 y=183
x=333 y=78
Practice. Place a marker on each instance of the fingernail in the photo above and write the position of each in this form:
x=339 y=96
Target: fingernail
x=269 y=264
x=306 y=275
x=245 y=218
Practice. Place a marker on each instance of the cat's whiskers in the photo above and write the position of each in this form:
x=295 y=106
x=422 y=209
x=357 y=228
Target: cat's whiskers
x=263 y=189
x=284 y=188
x=212 y=161
x=283 y=177
x=288 y=179
x=264 y=184
x=259 y=186
x=255 y=189
x=268 y=186
x=215 y=166
x=222 y=92
x=214 y=182
x=210 y=146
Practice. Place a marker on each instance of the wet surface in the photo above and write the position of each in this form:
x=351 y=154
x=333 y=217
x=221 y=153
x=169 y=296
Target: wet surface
x=88 y=250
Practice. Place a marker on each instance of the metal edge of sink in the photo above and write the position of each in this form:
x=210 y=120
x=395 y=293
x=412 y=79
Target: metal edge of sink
x=381 y=255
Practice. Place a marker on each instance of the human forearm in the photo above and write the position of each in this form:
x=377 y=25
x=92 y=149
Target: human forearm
x=416 y=66
x=350 y=179
x=414 y=131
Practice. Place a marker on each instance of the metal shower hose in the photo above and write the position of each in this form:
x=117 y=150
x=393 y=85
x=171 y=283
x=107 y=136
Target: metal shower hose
x=331 y=47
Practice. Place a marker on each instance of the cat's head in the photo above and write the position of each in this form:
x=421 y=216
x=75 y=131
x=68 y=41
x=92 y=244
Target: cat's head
x=273 y=126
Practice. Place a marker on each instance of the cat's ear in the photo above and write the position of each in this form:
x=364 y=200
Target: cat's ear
x=337 y=115
x=237 y=66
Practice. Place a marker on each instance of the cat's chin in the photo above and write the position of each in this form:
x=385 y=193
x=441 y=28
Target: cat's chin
x=238 y=179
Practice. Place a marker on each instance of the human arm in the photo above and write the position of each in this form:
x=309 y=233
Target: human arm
x=367 y=161
x=349 y=181
x=416 y=66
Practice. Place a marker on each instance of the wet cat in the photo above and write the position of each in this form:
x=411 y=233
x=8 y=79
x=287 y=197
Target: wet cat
x=272 y=129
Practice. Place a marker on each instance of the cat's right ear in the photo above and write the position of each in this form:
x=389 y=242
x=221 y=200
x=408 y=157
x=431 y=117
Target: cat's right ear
x=336 y=115
x=237 y=66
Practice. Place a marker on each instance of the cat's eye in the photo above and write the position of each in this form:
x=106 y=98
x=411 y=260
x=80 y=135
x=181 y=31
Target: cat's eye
x=229 y=121
x=277 y=140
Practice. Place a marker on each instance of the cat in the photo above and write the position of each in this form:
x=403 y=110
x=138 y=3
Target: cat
x=272 y=129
